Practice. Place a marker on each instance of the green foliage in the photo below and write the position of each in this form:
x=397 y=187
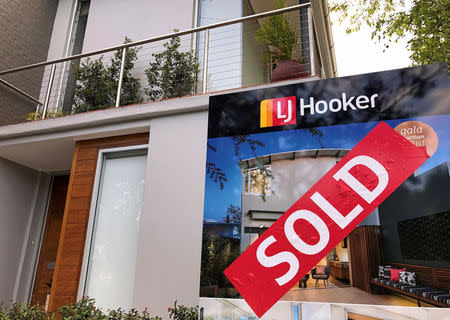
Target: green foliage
x=85 y=309
x=82 y=310
x=234 y=214
x=38 y=115
x=427 y=22
x=96 y=83
x=93 y=88
x=217 y=254
x=183 y=313
x=172 y=73
x=277 y=34
x=130 y=85
x=132 y=314
x=24 y=312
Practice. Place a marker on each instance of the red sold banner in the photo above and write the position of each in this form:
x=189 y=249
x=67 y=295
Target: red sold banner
x=324 y=216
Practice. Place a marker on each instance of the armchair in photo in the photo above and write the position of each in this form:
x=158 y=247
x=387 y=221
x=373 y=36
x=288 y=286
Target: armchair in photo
x=320 y=273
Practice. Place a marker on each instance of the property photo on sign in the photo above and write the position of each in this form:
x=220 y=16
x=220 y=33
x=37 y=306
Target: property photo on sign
x=330 y=191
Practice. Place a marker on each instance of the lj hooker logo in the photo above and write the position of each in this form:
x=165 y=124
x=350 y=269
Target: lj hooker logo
x=278 y=112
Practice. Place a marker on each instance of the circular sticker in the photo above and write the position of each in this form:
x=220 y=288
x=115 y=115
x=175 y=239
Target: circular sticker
x=420 y=134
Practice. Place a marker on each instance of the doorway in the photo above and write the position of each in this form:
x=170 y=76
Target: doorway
x=50 y=240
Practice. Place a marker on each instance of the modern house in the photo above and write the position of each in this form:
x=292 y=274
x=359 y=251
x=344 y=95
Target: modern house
x=108 y=203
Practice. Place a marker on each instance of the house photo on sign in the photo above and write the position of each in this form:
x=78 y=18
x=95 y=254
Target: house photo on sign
x=268 y=147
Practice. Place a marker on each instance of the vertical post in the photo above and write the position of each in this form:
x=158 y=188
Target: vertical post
x=312 y=61
x=49 y=90
x=205 y=62
x=122 y=67
x=202 y=311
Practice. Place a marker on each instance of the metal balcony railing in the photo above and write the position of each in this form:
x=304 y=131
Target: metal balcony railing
x=227 y=53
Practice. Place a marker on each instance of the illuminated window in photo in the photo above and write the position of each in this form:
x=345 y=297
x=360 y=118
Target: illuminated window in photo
x=258 y=181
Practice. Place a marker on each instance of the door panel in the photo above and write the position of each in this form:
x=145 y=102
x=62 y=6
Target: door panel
x=49 y=247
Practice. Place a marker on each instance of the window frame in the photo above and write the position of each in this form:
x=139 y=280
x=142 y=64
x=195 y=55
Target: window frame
x=102 y=156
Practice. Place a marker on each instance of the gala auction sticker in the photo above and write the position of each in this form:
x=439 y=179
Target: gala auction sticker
x=420 y=134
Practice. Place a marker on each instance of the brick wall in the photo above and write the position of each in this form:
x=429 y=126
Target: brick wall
x=25 y=32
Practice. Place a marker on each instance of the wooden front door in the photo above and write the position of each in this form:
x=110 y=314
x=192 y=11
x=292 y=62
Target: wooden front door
x=49 y=247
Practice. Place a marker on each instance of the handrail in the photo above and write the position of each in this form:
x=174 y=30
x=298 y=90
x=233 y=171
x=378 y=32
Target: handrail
x=159 y=38
x=19 y=91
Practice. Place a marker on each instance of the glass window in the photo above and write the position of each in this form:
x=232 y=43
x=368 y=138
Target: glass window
x=258 y=181
x=115 y=228
x=225 y=44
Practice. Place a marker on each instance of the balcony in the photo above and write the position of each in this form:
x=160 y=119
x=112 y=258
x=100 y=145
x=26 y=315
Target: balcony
x=215 y=57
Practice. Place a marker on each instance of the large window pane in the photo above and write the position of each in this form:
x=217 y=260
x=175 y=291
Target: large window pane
x=112 y=260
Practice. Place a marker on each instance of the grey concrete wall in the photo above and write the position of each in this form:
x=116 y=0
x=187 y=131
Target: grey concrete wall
x=169 y=252
x=26 y=27
x=17 y=194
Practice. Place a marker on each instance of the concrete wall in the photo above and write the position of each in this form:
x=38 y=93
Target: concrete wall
x=169 y=252
x=17 y=197
x=26 y=29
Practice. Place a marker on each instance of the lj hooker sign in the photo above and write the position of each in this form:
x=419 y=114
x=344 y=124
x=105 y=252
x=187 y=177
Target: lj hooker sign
x=323 y=216
x=332 y=155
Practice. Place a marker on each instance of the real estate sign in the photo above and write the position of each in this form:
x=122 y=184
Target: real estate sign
x=268 y=148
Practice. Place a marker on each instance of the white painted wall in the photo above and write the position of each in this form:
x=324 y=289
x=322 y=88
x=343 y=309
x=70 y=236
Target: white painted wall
x=109 y=21
x=169 y=252
x=17 y=194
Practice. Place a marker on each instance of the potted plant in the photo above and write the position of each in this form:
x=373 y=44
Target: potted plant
x=281 y=40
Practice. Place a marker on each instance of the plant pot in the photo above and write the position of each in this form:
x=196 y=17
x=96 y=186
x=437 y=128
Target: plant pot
x=209 y=291
x=231 y=293
x=288 y=69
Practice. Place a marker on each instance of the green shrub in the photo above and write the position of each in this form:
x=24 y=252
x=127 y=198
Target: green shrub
x=130 y=85
x=172 y=73
x=279 y=36
x=85 y=309
x=96 y=83
x=38 y=115
x=24 y=312
x=93 y=88
x=217 y=254
x=183 y=313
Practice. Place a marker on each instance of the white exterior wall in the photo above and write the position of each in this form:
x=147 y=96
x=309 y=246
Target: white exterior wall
x=170 y=236
x=17 y=199
x=109 y=21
